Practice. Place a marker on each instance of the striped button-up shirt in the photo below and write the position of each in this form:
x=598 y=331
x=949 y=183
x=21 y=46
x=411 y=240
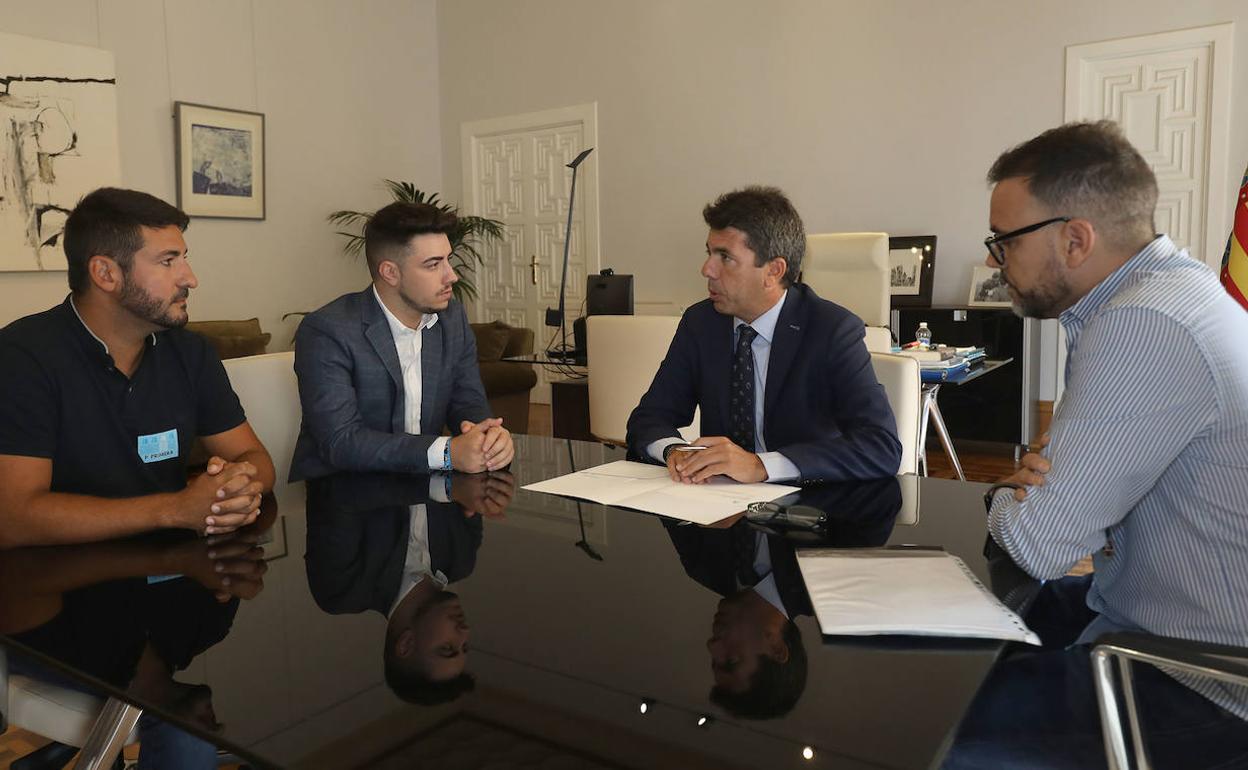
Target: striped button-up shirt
x=1149 y=453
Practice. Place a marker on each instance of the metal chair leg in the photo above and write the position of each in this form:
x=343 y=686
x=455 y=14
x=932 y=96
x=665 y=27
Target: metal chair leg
x=1133 y=714
x=1111 y=721
x=925 y=412
x=108 y=735
x=938 y=421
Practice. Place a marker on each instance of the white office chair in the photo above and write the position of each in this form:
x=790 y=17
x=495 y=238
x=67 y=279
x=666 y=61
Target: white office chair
x=900 y=377
x=70 y=718
x=851 y=269
x=878 y=339
x=269 y=392
x=623 y=354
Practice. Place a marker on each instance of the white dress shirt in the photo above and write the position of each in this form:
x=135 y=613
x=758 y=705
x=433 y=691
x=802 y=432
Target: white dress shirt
x=778 y=467
x=407 y=342
x=419 y=564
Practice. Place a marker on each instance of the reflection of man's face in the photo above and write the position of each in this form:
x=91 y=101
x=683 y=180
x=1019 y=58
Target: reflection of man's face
x=745 y=627
x=441 y=638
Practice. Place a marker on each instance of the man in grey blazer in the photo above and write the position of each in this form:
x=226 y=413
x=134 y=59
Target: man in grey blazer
x=383 y=371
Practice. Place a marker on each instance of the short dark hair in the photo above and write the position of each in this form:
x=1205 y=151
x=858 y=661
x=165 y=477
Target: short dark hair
x=1087 y=170
x=107 y=222
x=775 y=687
x=391 y=229
x=412 y=686
x=771 y=225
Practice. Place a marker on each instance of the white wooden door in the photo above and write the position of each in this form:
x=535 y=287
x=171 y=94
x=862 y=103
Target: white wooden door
x=515 y=171
x=1171 y=93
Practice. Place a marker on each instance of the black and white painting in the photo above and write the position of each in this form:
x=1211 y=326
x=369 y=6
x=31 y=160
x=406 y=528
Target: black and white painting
x=58 y=141
x=988 y=288
x=911 y=265
x=220 y=161
x=904 y=267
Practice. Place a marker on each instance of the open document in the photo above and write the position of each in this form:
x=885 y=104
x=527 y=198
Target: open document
x=647 y=488
x=870 y=591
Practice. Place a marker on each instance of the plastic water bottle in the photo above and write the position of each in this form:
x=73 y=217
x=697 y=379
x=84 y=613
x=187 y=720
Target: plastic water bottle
x=923 y=335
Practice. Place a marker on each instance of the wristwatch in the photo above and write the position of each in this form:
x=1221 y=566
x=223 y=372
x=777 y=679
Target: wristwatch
x=991 y=494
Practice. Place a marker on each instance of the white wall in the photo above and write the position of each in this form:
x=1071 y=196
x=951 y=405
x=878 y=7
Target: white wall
x=871 y=114
x=349 y=92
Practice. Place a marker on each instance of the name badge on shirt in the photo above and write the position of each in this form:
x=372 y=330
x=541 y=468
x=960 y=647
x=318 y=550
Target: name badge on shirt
x=155 y=447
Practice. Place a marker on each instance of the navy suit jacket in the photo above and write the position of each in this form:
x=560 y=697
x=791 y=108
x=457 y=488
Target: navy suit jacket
x=358 y=528
x=823 y=408
x=708 y=558
x=351 y=388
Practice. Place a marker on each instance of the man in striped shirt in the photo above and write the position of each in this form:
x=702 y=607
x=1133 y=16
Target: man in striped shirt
x=1146 y=466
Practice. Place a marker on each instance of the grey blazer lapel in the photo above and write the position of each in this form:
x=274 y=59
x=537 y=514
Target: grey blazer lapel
x=377 y=332
x=431 y=355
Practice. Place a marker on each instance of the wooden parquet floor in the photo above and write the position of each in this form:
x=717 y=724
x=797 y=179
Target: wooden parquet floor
x=15 y=744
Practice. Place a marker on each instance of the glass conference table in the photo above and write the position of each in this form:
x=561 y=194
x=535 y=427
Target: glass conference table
x=587 y=629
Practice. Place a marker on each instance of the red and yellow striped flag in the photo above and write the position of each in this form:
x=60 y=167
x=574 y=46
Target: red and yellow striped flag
x=1235 y=260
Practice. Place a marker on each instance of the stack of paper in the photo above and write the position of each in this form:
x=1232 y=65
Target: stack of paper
x=648 y=488
x=871 y=591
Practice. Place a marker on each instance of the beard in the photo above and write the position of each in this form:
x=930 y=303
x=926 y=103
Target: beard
x=1043 y=300
x=143 y=305
x=424 y=308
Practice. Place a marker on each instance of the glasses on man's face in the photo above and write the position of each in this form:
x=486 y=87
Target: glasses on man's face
x=996 y=243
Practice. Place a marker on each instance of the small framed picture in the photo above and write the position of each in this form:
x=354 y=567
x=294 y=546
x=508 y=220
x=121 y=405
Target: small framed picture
x=219 y=161
x=988 y=289
x=911 y=263
x=273 y=540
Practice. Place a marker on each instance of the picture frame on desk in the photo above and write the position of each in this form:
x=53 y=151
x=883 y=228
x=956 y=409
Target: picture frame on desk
x=911 y=265
x=988 y=288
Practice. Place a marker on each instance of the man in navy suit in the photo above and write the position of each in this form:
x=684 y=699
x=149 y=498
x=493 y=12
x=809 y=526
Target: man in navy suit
x=383 y=371
x=783 y=378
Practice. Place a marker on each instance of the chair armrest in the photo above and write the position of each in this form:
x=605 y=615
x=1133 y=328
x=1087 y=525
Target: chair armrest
x=1191 y=655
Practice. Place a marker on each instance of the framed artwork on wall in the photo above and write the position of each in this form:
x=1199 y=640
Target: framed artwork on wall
x=219 y=161
x=988 y=289
x=58 y=142
x=911 y=264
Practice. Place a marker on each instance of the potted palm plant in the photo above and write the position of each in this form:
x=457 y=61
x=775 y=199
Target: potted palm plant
x=470 y=236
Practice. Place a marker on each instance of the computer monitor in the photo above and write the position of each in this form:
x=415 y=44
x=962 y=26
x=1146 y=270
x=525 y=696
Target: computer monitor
x=608 y=294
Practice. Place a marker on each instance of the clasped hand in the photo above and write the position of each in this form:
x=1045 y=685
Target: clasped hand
x=222 y=499
x=482 y=446
x=722 y=458
x=1033 y=470
x=488 y=494
x=228 y=565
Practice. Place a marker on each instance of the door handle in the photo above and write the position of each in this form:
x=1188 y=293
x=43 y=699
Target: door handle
x=533 y=267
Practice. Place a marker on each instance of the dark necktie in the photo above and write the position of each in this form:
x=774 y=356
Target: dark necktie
x=744 y=547
x=741 y=396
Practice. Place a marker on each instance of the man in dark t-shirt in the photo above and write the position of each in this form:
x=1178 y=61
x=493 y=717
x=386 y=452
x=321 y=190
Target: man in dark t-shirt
x=102 y=396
